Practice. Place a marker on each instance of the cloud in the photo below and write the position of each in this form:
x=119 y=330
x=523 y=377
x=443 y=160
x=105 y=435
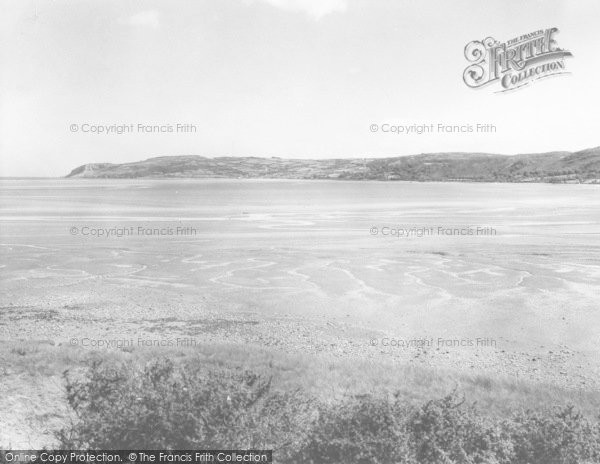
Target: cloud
x=149 y=18
x=314 y=8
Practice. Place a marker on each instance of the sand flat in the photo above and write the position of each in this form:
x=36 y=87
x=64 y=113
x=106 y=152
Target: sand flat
x=294 y=253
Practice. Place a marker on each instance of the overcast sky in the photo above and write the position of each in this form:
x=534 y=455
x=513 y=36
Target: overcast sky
x=289 y=78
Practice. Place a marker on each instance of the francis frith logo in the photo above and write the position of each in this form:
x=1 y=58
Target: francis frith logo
x=516 y=62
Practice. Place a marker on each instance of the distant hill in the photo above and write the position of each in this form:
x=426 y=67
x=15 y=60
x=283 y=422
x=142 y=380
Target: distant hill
x=560 y=167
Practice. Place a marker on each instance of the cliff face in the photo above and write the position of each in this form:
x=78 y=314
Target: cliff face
x=581 y=166
x=89 y=170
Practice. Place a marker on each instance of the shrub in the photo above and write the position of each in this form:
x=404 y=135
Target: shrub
x=368 y=430
x=379 y=430
x=448 y=431
x=565 y=437
x=164 y=406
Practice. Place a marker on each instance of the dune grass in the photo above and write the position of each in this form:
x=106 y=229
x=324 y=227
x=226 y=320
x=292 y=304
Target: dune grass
x=325 y=377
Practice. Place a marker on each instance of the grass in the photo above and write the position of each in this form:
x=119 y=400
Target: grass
x=324 y=376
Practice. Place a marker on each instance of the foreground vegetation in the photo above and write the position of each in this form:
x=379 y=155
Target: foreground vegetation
x=162 y=403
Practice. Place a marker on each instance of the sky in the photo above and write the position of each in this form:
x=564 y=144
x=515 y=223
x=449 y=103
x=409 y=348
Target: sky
x=288 y=78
